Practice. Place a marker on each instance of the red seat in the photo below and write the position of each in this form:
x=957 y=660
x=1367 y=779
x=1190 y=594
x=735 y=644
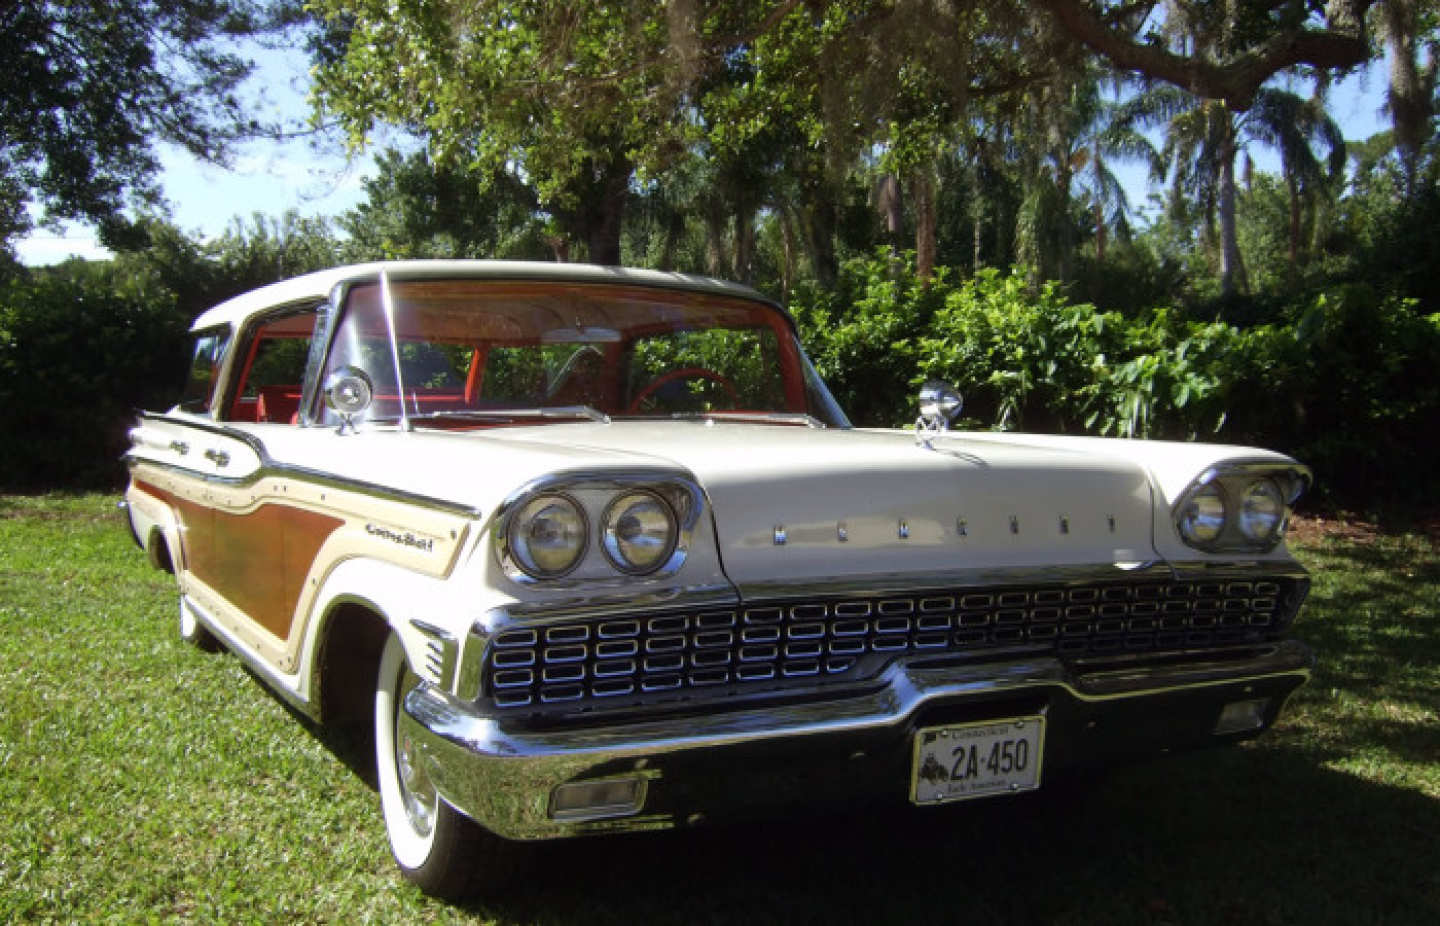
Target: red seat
x=278 y=403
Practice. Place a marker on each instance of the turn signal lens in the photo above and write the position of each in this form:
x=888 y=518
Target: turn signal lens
x=638 y=532
x=1203 y=517
x=1262 y=511
x=547 y=536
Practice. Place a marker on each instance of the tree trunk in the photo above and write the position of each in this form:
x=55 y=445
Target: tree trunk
x=1408 y=96
x=602 y=197
x=1232 y=271
x=744 y=243
x=888 y=201
x=715 y=264
x=1294 y=191
x=1065 y=229
x=1099 y=232
x=923 y=192
x=819 y=239
x=788 y=245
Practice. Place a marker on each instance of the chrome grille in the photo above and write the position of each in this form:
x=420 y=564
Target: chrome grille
x=782 y=644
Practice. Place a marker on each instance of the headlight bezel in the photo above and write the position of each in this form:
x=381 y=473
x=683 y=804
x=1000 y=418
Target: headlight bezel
x=594 y=494
x=1233 y=483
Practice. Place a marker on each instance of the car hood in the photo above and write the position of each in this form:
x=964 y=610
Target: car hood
x=794 y=506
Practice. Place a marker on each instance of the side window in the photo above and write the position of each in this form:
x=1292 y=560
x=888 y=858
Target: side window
x=205 y=358
x=270 y=382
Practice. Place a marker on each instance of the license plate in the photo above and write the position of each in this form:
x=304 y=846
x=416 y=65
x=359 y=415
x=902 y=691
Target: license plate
x=971 y=760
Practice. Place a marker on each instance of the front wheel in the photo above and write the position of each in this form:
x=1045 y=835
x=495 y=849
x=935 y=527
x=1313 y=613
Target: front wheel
x=438 y=848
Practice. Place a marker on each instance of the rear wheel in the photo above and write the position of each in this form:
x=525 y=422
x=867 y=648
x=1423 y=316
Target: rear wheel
x=441 y=850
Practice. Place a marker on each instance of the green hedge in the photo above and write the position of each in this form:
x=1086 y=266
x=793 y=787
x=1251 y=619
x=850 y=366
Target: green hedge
x=1349 y=383
x=77 y=358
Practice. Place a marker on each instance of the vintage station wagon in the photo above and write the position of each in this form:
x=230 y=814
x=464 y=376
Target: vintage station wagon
x=592 y=550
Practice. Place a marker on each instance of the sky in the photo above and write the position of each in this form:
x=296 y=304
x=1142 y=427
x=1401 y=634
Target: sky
x=269 y=178
x=272 y=177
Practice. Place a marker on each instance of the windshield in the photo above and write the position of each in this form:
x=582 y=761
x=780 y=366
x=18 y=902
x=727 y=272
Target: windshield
x=485 y=352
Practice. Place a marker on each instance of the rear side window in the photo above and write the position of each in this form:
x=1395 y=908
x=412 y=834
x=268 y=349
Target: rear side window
x=205 y=357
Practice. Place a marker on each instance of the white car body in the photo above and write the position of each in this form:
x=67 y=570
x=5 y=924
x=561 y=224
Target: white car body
x=282 y=534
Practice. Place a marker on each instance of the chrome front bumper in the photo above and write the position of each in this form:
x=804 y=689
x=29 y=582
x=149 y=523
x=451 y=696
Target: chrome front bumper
x=696 y=767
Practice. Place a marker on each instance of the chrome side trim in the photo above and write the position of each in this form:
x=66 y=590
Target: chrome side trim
x=502 y=776
x=270 y=468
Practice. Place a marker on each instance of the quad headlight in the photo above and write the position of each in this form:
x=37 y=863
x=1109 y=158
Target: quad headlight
x=638 y=532
x=1202 y=517
x=548 y=536
x=1243 y=509
x=1262 y=511
x=598 y=528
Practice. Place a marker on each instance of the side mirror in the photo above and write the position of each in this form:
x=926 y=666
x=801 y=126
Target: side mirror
x=349 y=392
x=940 y=404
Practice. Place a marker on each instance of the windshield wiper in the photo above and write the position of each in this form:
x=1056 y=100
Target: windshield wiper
x=565 y=412
x=810 y=421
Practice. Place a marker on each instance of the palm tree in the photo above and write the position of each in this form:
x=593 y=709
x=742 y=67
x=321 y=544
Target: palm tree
x=1204 y=137
x=1292 y=125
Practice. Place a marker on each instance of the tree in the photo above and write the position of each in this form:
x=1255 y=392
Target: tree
x=1292 y=125
x=417 y=208
x=89 y=87
x=1409 y=25
x=1203 y=139
x=563 y=93
x=1219 y=51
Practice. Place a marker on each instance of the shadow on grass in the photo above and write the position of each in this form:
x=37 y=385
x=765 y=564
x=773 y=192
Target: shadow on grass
x=1251 y=835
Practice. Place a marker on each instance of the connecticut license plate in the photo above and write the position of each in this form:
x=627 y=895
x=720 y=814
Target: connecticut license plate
x=971 y=760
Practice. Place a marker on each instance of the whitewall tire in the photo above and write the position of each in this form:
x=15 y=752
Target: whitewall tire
x=438 y=848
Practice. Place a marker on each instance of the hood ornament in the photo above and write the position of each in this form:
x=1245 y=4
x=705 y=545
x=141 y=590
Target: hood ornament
x=940 y=404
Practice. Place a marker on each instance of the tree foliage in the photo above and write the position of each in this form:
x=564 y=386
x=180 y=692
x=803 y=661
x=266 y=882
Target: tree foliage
x=90 y=88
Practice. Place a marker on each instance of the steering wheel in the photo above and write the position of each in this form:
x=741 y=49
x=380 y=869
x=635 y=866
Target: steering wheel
x=683 y=373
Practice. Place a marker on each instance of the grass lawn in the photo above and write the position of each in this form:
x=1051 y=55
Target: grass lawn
x=143 y=780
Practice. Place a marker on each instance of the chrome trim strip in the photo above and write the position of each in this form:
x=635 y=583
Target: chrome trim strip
x=472 y=758
x=270 y=468
x=909 y=584
x=445 y=648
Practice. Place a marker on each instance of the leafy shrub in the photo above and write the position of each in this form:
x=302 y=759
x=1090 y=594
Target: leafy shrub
x=1349 y=382
x=76 y=360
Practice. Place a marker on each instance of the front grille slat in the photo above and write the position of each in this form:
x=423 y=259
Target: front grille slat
x=769 y=647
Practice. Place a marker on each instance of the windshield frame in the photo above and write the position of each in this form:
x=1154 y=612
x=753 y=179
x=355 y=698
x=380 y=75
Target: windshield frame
x=806 y=393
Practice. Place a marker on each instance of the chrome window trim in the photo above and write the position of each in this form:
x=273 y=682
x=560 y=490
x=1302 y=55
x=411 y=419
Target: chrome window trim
x=244 y=337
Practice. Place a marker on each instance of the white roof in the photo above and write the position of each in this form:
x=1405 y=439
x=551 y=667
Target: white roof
x=317 y=286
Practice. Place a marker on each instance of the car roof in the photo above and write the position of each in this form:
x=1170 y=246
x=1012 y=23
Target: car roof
x=317 y=286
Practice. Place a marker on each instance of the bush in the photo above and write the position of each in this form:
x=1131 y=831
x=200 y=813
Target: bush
x=82 y=346
x=76 y=360
x=1349 y=382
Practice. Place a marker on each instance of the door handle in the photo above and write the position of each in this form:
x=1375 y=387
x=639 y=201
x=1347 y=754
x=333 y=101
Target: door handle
x=218 y=457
